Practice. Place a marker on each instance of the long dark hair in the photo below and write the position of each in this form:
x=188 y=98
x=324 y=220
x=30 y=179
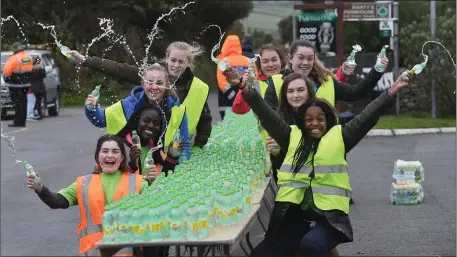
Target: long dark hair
x=308 y=145
x=285 y=110
x=120 y=143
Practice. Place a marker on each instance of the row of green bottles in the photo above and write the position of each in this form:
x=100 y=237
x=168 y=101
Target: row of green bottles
x=213 y=188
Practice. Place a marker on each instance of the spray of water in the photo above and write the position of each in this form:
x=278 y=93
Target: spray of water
x=155 y=30
x=106 y=26
x=218 y=45
x=11 y=17
x=9 y=140
x=449 y=54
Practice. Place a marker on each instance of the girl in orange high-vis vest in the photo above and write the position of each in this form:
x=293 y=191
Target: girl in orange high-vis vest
x=111 y=181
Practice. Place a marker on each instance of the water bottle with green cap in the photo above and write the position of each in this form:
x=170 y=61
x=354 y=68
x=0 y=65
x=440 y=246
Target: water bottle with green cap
x=418 y=68
x=378 y=66
x=351 y=58
x=193 y=228
x=176 y=231
x=96 y=94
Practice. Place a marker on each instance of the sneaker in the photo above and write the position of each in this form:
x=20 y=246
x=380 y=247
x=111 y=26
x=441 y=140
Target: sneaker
x=31 y=118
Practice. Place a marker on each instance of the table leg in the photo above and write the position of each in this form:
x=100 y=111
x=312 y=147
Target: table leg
x=213 y=251
x=261 y=222
x=226 y=250
x=243 y=247
x=178 y=250
x=248 y=242
x=201 y=251
x=267 y=204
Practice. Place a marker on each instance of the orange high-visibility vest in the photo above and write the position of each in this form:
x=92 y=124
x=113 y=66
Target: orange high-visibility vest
x=91 y=202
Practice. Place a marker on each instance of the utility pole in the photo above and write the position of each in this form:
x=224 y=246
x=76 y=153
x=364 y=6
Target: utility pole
x=396 y=51
x=433 y=32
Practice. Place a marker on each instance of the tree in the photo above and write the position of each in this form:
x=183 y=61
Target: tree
x=439 y=67
x=77 y=23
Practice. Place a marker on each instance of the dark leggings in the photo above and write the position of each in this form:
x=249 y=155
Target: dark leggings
x=318 y=241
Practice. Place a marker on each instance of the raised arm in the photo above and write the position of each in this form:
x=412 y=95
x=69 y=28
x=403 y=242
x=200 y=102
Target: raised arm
x=346 y=92
x=122 y=71
x=358 y=128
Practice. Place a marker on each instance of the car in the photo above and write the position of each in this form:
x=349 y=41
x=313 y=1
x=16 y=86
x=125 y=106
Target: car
x=51 y=97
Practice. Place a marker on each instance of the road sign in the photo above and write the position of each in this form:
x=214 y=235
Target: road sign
x=368 y=11
x=386 y=28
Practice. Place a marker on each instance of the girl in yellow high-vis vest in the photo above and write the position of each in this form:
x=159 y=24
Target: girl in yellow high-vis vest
x=192 y=92
x=111 y=181
x=312 y=204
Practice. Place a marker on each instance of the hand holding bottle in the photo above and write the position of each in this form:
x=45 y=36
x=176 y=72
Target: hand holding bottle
x=384 y=62
x=232 y=76
x=34 y=182
x=404 y=80
x=151 y=175
x=348 y=68
x=135 y=153
x=273 y=147
x=79 y=58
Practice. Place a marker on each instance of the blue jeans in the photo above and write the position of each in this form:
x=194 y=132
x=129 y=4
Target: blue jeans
x=318 y=241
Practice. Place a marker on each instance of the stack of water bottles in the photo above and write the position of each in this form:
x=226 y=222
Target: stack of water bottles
x=406 y=186
x=213 y=188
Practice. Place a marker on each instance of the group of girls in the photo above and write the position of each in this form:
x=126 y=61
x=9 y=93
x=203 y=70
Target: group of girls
x=294 y=106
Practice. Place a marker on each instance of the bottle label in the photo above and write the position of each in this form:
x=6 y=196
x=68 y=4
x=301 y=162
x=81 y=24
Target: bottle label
x=239 y=210
x=155 y=227
x=183 y=224
x=247 y=200
x=125 y=228
x=137 y=229
x=233 y=211
x=194 y=226
x=107 y=231
x=175 y=226
x=203 y=224
x=224 y=214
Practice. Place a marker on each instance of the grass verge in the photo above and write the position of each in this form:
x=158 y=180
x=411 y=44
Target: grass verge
x=406 y=122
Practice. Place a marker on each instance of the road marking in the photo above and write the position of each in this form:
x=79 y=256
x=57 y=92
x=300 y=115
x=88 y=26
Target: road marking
x=19 y=130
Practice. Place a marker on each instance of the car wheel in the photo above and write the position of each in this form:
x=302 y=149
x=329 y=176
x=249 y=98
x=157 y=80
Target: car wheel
x=54 y=110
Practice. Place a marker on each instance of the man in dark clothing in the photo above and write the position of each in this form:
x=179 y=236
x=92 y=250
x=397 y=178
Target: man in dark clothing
x=38 y=88
x=248 y=48
x=16 y=73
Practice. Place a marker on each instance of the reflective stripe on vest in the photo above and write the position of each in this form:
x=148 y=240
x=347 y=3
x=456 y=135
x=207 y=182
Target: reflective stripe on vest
x=327 y=91
x=194 y=103
x=330 y=185
x=90 y=196
x=115 y=118
x=176 y=117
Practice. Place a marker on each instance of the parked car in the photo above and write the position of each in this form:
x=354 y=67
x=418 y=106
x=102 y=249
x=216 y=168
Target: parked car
x=51 y=98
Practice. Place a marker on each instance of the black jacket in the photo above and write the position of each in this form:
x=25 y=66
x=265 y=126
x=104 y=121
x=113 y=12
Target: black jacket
x=352 y=133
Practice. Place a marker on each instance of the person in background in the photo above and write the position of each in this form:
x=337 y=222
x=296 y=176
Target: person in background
x=16 y=73
x=31 y=100
x=231 y=49
x=111 y=181
x=179 y=62
x=248 y=47
x=38 y=87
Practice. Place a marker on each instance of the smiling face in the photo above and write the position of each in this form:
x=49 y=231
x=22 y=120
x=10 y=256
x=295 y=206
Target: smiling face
x=303 y=60
x=270 y=63
x=315 y=122
x=110 y=157
x=177 y=61
x=149 y=124
x=154 y=84
x=297 y=93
